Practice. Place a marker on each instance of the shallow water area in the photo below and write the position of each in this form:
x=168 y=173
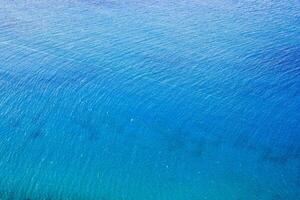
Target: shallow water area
x=130 y=100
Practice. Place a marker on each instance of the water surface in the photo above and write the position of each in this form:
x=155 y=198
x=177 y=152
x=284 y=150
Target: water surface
x=152 y=100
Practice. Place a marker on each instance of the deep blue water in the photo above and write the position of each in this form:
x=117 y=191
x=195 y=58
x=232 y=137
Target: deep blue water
x=150 y=100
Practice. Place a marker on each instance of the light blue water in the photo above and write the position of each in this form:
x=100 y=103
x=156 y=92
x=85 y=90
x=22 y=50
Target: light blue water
x=150 y=100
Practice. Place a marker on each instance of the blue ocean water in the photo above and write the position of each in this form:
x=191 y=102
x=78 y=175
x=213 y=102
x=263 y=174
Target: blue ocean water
x=150 y=100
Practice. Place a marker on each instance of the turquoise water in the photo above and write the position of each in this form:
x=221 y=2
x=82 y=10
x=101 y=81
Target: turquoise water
x=150 y=100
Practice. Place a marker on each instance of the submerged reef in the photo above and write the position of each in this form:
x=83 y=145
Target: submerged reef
x=281 y=154
x=37 y=133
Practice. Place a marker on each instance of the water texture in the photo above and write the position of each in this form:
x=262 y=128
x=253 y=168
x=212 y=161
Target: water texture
x=150 y=100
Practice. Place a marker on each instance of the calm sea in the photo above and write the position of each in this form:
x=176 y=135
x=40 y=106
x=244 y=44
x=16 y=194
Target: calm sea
x=150 y=100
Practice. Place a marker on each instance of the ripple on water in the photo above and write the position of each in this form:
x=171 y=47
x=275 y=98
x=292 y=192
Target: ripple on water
x=102 y=99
